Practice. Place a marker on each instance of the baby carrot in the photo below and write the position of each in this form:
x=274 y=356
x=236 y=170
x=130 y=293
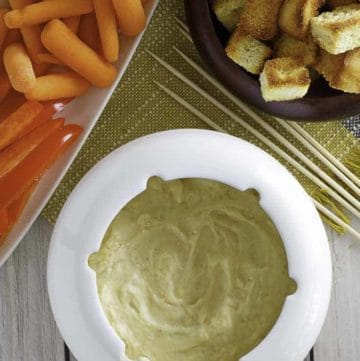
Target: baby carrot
x=74 y=53
x=3 y=28
x=12 y=155
x=34 y=165
x=106 y=19
x=72 y=23
x=15 y=123
x=89 y=31
x=5 y=86
x=13 y=36
x=19 y=67
x=57 y=86
x=46 y=58
x=131 y=16
x=30 y=34
x=41 y=12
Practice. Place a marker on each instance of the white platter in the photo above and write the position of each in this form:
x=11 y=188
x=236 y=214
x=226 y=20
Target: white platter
x=181 y=154
x=84 y=111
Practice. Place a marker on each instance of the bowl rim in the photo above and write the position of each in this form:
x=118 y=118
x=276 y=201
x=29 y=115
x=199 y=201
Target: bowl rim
x=202 y=29
x=180 y=154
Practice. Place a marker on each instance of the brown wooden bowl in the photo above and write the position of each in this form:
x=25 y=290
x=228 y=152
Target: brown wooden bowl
x=209 y=36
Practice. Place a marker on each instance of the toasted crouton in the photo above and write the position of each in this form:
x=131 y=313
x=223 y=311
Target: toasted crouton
x=306 y=51
x=227 y=11
x=247 y=52
x=348 y=77
x=258 y=18
x=295 y=16
x=284 y=79
x=335 y=3
x=329 y=65
x=339 y=30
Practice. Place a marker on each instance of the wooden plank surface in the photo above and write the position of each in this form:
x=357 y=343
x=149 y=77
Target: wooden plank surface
x=27 y=328
x=28 y=331
x=340 y=337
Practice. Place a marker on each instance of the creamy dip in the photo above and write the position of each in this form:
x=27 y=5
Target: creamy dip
x=192 y=270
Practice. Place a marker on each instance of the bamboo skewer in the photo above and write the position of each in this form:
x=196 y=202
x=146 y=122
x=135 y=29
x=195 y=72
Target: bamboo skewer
x=248 y=127
x=325 y=152
x=278 y=136
x=319 y=155
x=307 y=140
x=208 y=121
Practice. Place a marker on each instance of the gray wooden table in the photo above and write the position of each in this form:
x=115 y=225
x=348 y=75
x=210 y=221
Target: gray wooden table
x=28 y=331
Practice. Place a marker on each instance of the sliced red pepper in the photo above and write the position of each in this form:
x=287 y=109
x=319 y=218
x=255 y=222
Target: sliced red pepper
x=34 y=165
x=16 y=208
x=12 y=155
x=49 y=110
x=4 y=221
x=11 y=103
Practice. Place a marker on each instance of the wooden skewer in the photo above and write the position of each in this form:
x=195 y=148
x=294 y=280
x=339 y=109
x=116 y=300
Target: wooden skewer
x=235 y=117
x=261 y=122
x=307 y=140
x=319 y=155
x=325 y=152
x=211 y=123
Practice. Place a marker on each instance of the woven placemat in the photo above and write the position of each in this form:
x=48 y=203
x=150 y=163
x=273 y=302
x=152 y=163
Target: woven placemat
x=138 y=107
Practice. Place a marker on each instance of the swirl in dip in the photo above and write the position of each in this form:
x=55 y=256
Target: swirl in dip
x=192 y=270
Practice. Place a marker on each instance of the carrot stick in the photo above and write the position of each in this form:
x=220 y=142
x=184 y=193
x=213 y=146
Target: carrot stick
x=34 y=165
x=74 y=53
x=12 y=102
x=57 y=86
x=72 y=23
x=131 y=16
x=13 y=126
x=5 y=86
x=19 y=67
x=44 y=11
x=32 y=40
x=46 y=58
x=12 y=155
x=3 y=28
x=13 y=36
x=89 y=31
x=106 y=19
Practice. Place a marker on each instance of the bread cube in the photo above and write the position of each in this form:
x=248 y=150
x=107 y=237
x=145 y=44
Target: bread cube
x=248 y=52
x=329 y=65
x=227 y=11
x=348 y=77
x=339 y=30
x=258 y=18
x=284 y=79
x=304 y=50
x=295 y=16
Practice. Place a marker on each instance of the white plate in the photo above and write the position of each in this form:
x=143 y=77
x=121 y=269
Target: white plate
x=84 y=111
x=181 y=154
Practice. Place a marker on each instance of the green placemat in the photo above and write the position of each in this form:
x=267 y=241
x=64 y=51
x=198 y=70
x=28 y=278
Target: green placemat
x=138 y=107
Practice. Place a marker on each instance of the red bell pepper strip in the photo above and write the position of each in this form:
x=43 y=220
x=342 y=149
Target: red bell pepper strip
x=4 y=221
x=12 y=155
x=49 y=110
x=13 y=126
x=34 y=165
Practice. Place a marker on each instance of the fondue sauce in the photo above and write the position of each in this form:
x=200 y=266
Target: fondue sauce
x=192 y=270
